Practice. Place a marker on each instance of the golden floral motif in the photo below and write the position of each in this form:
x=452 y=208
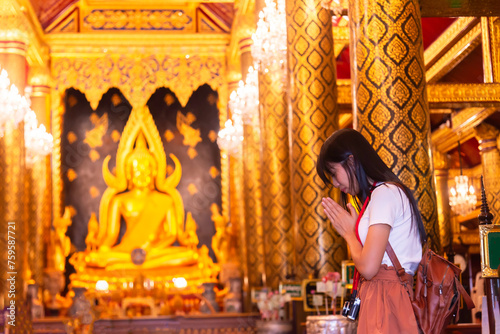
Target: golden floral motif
x=72 y=137
x=71 y=175
x=138 y=19
x=169 y=136
x=214 y=172
x=192 y=153
x=212 y=135
x=115 y=135
x=192 y=189
x=93 y=138
x=94 y=192
x=191 y=135
x=94 y=155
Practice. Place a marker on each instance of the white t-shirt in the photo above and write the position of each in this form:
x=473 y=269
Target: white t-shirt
x=389 y=205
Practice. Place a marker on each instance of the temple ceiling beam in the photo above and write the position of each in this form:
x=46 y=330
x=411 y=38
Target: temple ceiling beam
x=444 y=95
x=454 y=54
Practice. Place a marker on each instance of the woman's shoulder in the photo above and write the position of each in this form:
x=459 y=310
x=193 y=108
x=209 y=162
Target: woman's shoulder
x=390 y=191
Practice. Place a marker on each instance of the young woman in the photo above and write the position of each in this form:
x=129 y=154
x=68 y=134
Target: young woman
x=390 y=214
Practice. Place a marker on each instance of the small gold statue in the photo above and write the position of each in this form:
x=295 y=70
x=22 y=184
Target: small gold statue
x=60 y=244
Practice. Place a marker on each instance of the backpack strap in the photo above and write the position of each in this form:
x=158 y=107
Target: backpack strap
x=395 y=262
x=465 y=295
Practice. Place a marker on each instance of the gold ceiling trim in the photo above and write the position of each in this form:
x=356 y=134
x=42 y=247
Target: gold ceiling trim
x=464 y=95
x=445 y=41
x=87 y=44
x=455 y=55
x=443 y=95
x=145 y=4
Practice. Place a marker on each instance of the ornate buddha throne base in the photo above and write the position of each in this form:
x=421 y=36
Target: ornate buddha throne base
x=127 y=278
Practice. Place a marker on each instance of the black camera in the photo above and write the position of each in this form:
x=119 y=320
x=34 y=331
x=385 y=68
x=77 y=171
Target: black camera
x=351 y=307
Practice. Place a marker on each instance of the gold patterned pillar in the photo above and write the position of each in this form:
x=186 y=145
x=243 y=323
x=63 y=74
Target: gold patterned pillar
x=13 y=50
x=442 y=197
x=489 y=143
x=252 y=188
x=314 y=113
x=276 y=187
x=490 y=31
x=39 y=181
x=390 y=103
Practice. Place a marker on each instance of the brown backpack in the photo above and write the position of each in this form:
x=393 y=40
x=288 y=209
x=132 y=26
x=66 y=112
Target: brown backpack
x=436 y=299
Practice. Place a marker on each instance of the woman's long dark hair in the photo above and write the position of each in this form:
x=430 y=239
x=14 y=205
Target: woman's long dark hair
x=366 y=163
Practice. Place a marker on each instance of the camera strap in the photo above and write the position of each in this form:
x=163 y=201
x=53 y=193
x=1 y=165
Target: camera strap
x=365 y=204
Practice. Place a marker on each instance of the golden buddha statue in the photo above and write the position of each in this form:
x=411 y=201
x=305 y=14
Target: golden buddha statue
x=153 y=211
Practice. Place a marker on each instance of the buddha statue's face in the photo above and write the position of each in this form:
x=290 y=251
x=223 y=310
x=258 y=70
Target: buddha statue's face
x=142 y=173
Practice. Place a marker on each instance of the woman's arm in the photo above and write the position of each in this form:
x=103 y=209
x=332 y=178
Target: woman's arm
x=367 y=258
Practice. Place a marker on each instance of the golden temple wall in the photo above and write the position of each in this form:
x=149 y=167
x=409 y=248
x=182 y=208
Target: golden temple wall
x=390 y=108
x=314 y=116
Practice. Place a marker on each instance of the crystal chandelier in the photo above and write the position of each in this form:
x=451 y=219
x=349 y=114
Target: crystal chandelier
x=269 y=40
x=13 y=106
x=38 y=142
x=244 y=101
x=231 y=136
x=462 y=199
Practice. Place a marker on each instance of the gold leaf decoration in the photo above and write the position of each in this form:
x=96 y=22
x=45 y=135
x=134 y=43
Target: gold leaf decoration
x=212 y=135
x=169 y=136
x=72 y=137
x=214 y=172
x=71 y=174
x=115 y=135
x=169 y=99
x=94 y=137
x=192 y=189
x=94 y=192
x=94 y=155
x=191 y=136
x=192 y=153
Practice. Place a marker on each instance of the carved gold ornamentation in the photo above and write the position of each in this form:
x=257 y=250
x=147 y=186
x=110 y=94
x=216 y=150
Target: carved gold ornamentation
x=93 y=138
x=456 y=53
x=191 y=135
x=443 y=95
x=490 y=159
x=314 y=117
x=462 y=95
x=139 y=19
x=391 y=110
x=490 y=27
